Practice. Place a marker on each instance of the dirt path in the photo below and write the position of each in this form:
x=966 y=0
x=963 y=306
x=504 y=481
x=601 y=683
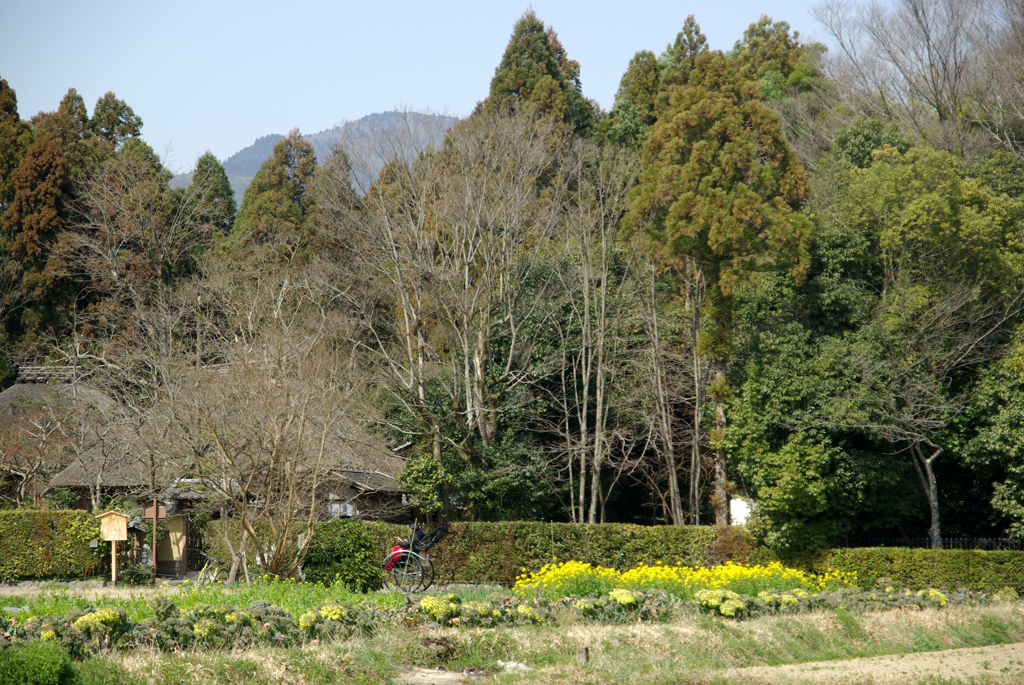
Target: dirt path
x=1001 y=663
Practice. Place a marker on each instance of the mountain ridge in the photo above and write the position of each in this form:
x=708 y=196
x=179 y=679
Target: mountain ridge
x=242 y=166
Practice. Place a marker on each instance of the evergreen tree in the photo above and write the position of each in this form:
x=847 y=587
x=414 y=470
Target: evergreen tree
x=114 y=121
x=775 y=58
x=276 y=208
x=633 y=113
x=71 y=130
x=536 y=69
x=721 y=188
x=680 y=57
x=212 y=191
x=35 y=215
x=15 y=137
x=856 y=142
x=31 y=224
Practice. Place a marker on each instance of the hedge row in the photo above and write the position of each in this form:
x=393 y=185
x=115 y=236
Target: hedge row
x=49 y=544
x=987 y=571
x=498 y=552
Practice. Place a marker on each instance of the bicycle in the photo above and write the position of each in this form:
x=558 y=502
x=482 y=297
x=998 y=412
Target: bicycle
x=406 y=569
x=213 y=572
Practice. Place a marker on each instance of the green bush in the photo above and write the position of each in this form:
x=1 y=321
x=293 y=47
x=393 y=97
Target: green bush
x=976 y=570
x=136 y=574
x=49 y=544
x=36 y=663
x=342 y=551
x=476 y=552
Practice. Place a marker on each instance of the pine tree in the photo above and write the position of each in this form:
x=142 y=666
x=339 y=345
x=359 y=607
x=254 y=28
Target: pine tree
x=212 y=190
x=721 y=188
x=15 y=137
x=535 y=69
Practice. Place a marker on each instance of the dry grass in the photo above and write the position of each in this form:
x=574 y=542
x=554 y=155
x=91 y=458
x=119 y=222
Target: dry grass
x=687 y=650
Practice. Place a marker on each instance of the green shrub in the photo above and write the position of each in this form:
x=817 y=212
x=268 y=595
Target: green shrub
x=49 y=544
x=136 y=574
x=36 y=663
x=342 y=551
x=976 y=570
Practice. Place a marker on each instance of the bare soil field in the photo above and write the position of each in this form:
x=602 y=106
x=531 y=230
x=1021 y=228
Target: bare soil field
x=998 y=663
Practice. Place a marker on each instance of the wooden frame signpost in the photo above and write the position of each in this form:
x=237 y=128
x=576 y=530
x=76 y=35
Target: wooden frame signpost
x=113 y=527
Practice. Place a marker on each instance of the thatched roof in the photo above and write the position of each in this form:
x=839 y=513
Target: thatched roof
x=105 y=439
x=368 y=481
x=25 y=396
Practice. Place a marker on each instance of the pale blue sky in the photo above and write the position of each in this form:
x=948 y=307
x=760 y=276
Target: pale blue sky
x=216 y=75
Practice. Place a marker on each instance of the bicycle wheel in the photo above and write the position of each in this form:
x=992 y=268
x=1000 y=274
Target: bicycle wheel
x=428 y=574
x=405 y=572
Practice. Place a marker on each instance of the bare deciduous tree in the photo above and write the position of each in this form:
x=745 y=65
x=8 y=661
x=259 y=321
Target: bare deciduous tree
x=918 y=62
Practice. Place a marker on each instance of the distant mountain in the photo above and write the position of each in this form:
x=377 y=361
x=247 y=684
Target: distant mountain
x=363 y=135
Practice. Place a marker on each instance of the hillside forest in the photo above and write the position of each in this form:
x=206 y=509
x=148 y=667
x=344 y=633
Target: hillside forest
x=790 y=272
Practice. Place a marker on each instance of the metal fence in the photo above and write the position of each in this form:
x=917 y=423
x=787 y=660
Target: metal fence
x=1006 y=544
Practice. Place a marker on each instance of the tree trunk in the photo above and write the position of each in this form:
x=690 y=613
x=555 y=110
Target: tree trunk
x=925 y=473
x=236 y=558
x=723 y=516
x=698 y=411
x=445 y=505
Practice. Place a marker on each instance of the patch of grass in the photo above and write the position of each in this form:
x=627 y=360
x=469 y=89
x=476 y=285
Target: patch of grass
x=686 y=650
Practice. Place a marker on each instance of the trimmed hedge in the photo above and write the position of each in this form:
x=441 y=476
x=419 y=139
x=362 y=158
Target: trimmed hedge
x=476 y=552
x=979 y=570
x=49 y=544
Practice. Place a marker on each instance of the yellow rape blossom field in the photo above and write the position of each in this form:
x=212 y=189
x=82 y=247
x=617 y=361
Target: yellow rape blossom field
x=578 y=578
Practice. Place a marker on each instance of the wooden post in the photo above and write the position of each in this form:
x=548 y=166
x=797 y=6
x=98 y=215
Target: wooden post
x=113 y=527
x=153 y=548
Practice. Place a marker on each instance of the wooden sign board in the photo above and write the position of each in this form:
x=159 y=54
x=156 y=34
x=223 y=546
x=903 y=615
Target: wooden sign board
x=113 y=526
x=161 y=511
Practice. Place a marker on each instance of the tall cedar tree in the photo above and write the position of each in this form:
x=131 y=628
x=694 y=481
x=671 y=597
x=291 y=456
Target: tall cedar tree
x=276 y=208
x=214 y=193
x=721 y=187
x=536 y=69
x=35 y=216
x=114 y=121
x=633 y=114
x=680 y=58
x=767 y=47
x=71 y=130
x=15 y=137
x=31 y=224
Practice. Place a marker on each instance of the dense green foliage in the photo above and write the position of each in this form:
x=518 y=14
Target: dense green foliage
x=977 y=570
x=343 y=552
x=536 y=70
x=37 y=663
x=49 y=544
